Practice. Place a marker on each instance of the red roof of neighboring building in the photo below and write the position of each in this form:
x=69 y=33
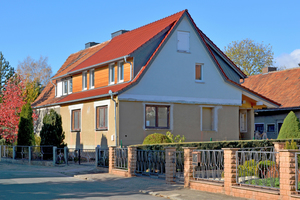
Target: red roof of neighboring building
x=281 y=86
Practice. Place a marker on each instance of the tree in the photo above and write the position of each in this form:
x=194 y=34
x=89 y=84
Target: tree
x=290 y=127
x=25 y=132
x=35 y=70
x=52 y=131
x=6 y=71
x=10 y=108
x=249 y=56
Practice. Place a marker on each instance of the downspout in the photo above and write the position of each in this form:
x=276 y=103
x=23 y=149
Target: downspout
x=112 y=98
x=125 y=59
x=54 y=86
x=242 y=81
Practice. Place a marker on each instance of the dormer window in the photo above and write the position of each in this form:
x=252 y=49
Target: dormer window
x=121 y=72
x=112 y=74
x=183 y=41
x=84 y=80
x=92 y=78
x=70 y=85
x=65 y=87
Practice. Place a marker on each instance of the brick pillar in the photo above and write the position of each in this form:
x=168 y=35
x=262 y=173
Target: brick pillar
x=111 y=159
x=277 y=147
x=170 y=164
x=188 y=167
x=287 y=172
x=132 y=156
x=229 y=168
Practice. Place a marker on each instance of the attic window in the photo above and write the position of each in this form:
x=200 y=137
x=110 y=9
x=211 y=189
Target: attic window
x=183 y=41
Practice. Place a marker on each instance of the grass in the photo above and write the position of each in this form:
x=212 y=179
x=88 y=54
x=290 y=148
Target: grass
x=264 y=182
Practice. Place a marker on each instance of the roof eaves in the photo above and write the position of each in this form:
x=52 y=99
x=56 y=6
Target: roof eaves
x=85 y=99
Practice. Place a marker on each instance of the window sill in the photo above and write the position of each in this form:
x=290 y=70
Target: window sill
x=199 y=81
x=106 y=129
x=111 y=83
x=75 y=130
x=120 y=81
x=180 y=51
x=156 y=128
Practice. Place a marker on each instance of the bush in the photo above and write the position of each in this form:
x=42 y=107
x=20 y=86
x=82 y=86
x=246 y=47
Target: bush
x=25 y=132
x=52 y=132
x=248 y=168
x=263 y=167
x=290 y=127
x=177 y=139
x=156 y=138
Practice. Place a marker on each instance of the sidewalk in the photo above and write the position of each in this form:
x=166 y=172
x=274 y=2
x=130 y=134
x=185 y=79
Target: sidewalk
x=92 y=180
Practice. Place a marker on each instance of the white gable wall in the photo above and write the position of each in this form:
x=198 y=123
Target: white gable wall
x=171 y=76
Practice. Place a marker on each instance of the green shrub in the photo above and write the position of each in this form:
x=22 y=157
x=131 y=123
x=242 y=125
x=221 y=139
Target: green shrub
x=248 y=168
x=156 y=138
x=177 y=139
x=263 y=167
x=52 y=131
x=292 y=145
x=25 y=132
x=290 y=127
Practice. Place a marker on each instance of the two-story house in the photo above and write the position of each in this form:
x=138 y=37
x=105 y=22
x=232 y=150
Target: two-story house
x=164 y=76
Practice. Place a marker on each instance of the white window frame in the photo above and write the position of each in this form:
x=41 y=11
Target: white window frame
x=202 y=79
x=64 y=92
x=243 y=111
x=119 y=71
x=214 y=118
x=99 y=104
x=158 y=104
x=111 y=69
x=69 y=83
x=84 y=79
x=76 y=107
x=92 y=80
x=179 y=49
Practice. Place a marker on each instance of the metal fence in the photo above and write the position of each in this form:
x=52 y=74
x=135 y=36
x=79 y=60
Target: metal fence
x=209 y=165
x=178 y=174
x=121 y=158
x=22 y=152
x=258 y=168
x=42 y=153
x=268 y=149
x=151 y=162
x=6 y=152
x=60 y=156
x=81 y=156
x=103 y=157
x=297 y=174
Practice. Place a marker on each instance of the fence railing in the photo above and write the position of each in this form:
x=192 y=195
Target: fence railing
x=103 y=157
x=297 y=174
x=150 y=162
x=268 y=149
x=258 y=168
x=6 y=151
x=22 y=152
x=60 y=156
x=121 y=158
x=178 y=174
x=208 y=165
x=81 y=156
x=41 y=152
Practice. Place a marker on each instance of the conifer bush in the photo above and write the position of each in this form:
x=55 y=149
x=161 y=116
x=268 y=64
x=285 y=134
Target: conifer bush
x=156 y=138
x=290 y=127
x=25 y=132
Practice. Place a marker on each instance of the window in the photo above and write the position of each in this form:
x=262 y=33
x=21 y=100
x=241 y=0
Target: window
x=65 y=87
x=199 y=72
x=259 y=127
x=243 y=120
x=76 y=115
x=157 y=116
x=207 y=119
x=111 y=74
x=101 y=118
x=271 y=127
x=183 y=41
x=70 y=86
x=84 y=80
x=121 y=72
x=92 y=78
x=279 y=125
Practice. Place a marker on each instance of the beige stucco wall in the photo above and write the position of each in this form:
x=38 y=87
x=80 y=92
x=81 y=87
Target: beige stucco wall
x=41 y=112
x=88 y=137
x=186 y=121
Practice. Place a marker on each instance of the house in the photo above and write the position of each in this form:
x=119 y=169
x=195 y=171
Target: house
x=281 y=86
x=164 y=76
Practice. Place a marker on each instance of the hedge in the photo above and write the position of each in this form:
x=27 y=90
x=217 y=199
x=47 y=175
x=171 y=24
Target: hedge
x=215 y=144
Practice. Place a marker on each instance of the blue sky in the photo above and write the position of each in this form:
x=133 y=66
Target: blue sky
x=58 y=28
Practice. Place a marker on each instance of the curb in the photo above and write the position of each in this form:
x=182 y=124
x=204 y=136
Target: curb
x=172 y=197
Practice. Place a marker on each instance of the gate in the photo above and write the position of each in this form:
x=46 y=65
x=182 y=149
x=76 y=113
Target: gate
x=178 y=173
x=151 y=163
x=81 y=156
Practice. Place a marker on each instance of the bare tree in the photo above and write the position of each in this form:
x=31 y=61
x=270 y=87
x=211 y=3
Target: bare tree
x=35 y=70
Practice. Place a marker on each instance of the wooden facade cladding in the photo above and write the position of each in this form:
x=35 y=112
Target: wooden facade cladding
x=101 y=76
x=77 y=82
x=127 y=70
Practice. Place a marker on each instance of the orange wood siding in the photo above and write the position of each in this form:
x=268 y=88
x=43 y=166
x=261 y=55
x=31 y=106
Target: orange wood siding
x=88 y=79
x=116 y=73
x=101 y=77
x=127 y=69
x=77 y=83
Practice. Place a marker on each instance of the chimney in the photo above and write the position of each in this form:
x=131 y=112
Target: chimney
x=266 y=70
x=90 y=44
x=120 y=32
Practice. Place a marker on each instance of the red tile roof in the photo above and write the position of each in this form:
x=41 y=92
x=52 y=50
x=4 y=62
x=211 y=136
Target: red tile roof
x=281 y=86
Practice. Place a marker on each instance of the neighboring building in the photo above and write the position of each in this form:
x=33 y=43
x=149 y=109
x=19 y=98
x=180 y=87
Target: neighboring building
x=164 y=76
x=281 y=86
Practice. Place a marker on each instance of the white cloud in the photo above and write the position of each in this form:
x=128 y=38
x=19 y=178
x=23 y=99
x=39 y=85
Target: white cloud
x=289 y=60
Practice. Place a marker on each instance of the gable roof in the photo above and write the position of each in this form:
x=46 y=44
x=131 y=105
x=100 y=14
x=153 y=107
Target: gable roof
x=281 y=86
x=127 y=43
